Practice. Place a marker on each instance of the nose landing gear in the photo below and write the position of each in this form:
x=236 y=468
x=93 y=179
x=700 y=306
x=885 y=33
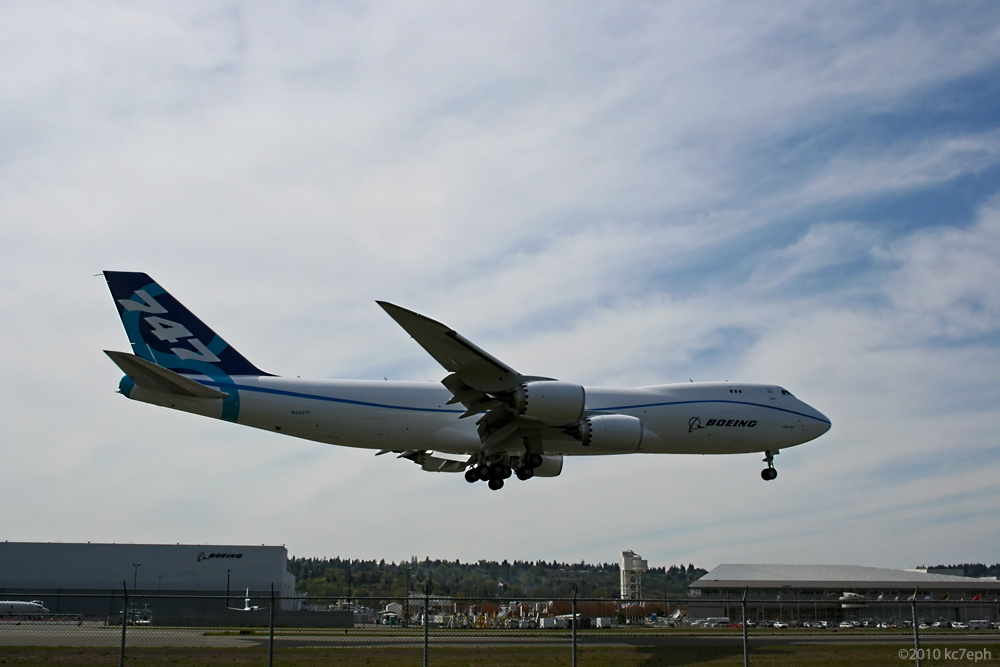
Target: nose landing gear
x=769 y=473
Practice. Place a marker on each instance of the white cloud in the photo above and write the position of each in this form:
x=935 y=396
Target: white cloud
x=877 y=171
x=946 y=284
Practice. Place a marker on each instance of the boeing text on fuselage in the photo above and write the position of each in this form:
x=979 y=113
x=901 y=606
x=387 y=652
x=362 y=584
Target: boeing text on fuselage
x=484 y=419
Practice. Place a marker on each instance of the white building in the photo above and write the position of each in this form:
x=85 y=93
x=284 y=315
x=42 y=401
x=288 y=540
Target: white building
x=632 y=567
x=842 y=592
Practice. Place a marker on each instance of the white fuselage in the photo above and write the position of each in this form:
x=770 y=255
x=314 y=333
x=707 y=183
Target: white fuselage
x=21 y=608
x=692 y=418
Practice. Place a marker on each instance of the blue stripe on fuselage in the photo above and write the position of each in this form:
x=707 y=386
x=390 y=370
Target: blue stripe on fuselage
x=316 y=397
x=348 y=401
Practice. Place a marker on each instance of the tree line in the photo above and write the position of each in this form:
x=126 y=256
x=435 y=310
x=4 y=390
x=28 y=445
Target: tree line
x=348 y=578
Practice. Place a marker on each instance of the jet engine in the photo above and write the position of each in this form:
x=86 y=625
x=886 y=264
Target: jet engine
x=551 y=402
x=610 y=433
x=551 y=466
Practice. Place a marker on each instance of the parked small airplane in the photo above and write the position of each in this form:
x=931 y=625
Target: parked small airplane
x=851 y=600
x=495 y=420
x=246 y=604
x=21 y=608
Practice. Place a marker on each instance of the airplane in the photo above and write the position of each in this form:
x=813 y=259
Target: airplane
x=484 y=418
x=21 y=608
x=246 y=604
x=851 y=600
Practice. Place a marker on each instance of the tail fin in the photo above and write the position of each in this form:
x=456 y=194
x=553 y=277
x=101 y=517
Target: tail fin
x=166 y=333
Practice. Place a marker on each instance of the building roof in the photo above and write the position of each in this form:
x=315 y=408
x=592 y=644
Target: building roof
x=739 y=575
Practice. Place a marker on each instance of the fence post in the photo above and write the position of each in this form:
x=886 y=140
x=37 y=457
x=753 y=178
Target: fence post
x=121 y=657
x=427 y=609
x=916 y=626
x=270 y=623
x=746 y=636
x=573 y=621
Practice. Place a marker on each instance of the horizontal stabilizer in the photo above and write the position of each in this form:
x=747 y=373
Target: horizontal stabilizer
x=156 y=378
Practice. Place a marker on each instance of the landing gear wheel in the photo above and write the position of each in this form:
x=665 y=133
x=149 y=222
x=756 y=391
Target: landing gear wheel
x=524 y=473
x=496 y=483
x=769 y=473
x=506 y=472
x=471 y=476
x=534 y=460
x=483 y=472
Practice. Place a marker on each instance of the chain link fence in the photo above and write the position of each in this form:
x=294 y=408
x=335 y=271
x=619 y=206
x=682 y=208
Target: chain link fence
x=425 y=629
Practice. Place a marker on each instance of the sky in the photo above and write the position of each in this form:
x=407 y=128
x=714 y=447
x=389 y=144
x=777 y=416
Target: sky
x=614 y=194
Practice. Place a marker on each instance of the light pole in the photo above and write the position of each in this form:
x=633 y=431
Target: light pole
x=406 y=616
x=135 y=577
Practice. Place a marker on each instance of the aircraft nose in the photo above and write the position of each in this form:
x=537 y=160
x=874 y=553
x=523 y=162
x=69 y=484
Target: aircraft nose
x=817 y=423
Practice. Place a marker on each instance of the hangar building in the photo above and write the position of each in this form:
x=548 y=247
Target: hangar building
x=844 y=592
x=53 y=568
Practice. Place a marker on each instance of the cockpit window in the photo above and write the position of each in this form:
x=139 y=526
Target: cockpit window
x=785 y=392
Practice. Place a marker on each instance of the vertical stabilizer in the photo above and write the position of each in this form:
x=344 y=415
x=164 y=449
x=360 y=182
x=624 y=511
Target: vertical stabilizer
x=164 y=332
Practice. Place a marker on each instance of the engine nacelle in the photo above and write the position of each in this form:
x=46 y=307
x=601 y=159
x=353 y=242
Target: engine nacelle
x=611 y=433
x=551 y=402
x=551 y=466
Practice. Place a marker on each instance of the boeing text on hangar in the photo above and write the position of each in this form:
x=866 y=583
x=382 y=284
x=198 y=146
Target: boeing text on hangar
x=203 y=556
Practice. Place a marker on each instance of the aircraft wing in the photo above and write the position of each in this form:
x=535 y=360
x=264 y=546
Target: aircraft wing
x=477 y=379
x=474 y=366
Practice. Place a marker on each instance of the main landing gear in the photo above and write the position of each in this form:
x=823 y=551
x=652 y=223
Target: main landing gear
x=495 y=472
x=769 y=473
